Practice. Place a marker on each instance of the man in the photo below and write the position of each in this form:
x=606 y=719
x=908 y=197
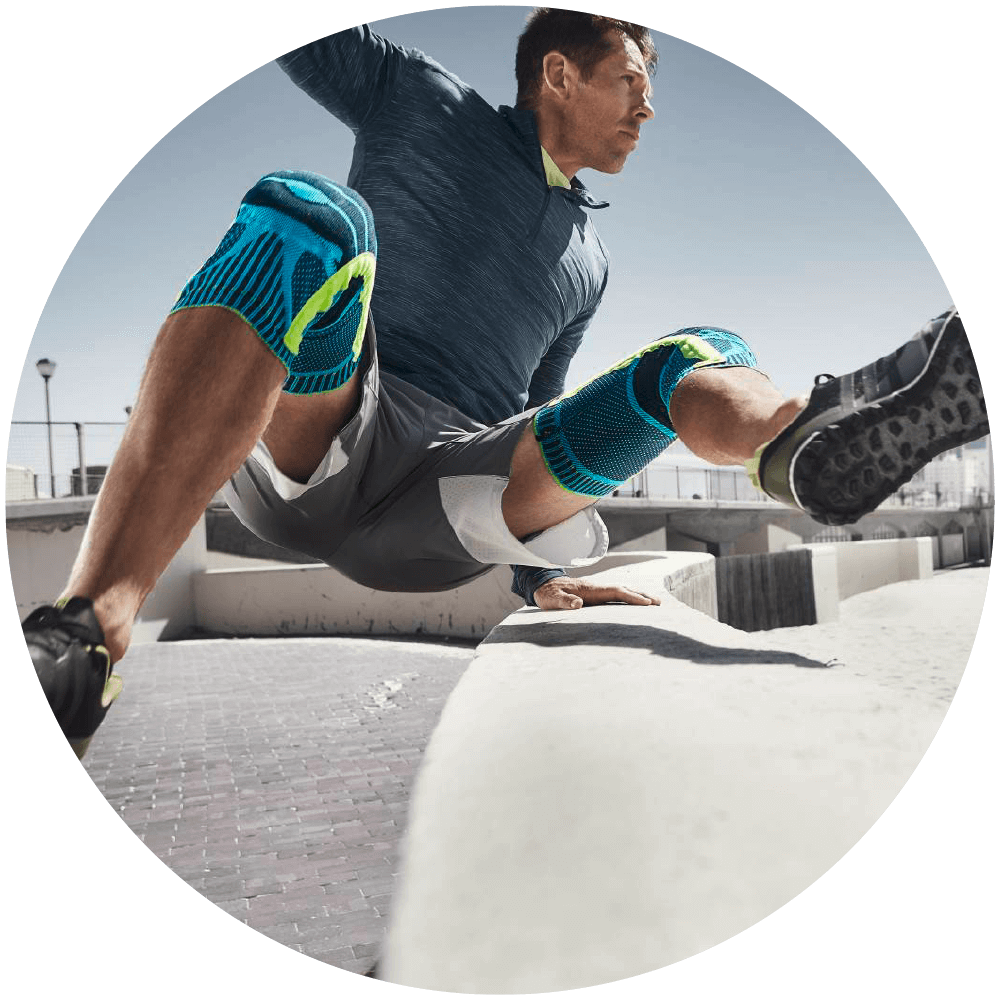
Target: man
x=419 y=462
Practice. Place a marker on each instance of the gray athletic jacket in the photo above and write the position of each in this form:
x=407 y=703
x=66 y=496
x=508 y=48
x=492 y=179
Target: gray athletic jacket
x=487 y=277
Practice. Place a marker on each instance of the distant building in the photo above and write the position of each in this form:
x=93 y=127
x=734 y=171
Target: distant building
x=956 y=477
x=21 y=483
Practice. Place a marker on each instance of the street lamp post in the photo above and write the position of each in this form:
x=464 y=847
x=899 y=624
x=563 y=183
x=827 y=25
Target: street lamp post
x=46 y=369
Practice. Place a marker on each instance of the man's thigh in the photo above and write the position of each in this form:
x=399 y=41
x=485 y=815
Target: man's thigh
x=407 y=498
x=443 y=524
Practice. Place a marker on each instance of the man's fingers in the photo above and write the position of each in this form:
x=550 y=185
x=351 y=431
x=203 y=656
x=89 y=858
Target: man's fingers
x=628 y=596
x=622 y=595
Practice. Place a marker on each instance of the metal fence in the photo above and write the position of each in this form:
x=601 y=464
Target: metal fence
x=675 y=482
x=82 y=452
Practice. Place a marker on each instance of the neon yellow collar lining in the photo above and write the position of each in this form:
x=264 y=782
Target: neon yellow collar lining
x=554 y=176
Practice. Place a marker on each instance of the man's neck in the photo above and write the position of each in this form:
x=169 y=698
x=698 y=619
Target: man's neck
x=552 y=141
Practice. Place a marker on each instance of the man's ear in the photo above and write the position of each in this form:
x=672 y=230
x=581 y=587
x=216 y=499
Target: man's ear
x=559 y=75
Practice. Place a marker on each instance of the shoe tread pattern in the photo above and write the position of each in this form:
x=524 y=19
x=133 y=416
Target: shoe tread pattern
x=848 y=468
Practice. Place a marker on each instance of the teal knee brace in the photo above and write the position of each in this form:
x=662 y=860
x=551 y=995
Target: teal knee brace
x=297 y=265
x=602 y=434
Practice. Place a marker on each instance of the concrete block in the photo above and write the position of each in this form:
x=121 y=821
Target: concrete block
x=952 y=550
x=610 y=792
x=825 y=583
x=771 y=590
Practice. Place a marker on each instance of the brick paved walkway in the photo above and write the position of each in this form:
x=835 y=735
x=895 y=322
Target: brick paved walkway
x=273 y=775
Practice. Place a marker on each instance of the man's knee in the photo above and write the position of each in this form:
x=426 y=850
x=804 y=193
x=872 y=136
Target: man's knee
x=298 y=265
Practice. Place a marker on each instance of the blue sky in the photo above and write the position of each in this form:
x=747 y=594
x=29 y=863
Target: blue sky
x=738 y=209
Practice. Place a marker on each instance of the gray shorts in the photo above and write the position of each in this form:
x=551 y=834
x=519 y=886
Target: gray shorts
x=408 y=496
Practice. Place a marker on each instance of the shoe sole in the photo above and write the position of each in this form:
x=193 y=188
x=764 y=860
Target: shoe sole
x=844 y=464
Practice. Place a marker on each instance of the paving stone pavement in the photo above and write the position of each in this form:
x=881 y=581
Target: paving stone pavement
x=273 y=775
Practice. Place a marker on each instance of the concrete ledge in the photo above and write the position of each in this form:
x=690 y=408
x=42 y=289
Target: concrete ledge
x=63 y=508
x=317 y=600
x=616 y=789
x=687 y=576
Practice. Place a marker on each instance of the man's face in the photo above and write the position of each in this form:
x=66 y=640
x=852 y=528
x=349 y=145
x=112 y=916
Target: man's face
x=609 y=108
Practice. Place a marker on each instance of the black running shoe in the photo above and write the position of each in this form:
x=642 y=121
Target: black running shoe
x=73 y=666
x=864 y=435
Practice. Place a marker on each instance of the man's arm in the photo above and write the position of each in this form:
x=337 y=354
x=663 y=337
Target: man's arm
x=549 y=379
x=351 y=73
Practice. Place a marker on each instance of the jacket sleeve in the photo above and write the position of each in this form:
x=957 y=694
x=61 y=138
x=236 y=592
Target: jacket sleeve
x=527 y=579
x=548 y=382
x=549 y=379
x=351 y=73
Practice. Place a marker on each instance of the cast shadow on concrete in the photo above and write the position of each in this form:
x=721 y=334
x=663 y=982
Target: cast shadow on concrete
x=660 y=641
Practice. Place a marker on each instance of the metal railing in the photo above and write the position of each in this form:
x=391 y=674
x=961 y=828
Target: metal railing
x=82 y=453
x=675 y=482
x=678 y=482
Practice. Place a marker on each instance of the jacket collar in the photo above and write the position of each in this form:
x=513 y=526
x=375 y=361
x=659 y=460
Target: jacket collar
x=522 y=121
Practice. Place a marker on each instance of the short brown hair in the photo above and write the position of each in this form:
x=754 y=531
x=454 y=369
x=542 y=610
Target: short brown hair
x=579 y=36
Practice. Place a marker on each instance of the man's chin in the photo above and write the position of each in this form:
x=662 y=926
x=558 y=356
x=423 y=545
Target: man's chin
x=613 y=166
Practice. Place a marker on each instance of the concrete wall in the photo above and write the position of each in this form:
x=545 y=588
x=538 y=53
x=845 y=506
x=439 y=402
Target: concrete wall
x=317 y=600
x=43 y=538
x=282 y=599
x=952 y=549
x=804 y=584
x=863 y=566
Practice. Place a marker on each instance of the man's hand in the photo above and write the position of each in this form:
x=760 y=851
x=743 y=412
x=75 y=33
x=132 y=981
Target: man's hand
x=565 y=593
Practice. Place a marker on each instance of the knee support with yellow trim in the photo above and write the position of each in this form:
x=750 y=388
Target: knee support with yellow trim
x=602 y=434
x=297 y=265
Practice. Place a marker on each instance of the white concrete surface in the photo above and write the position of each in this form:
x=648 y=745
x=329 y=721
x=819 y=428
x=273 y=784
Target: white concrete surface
x=613 y=790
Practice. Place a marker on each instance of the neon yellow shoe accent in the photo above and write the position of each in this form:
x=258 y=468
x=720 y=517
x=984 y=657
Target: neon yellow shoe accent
x=112 y=689
x=752 y=465
x=114 y=684
x=364 y=266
